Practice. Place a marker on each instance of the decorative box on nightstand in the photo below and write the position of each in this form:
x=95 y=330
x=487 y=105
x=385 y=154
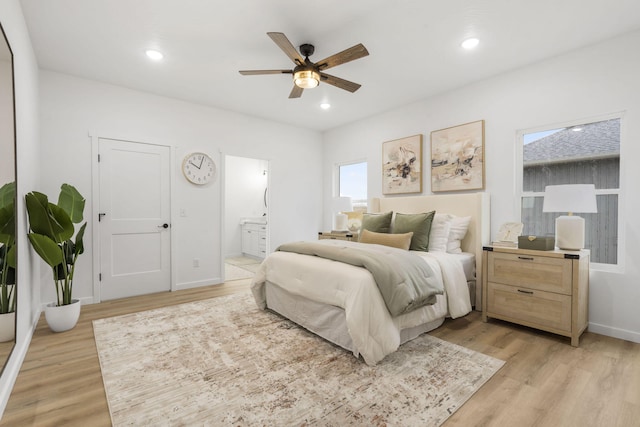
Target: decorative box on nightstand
x=547 y=290
x=351 y=237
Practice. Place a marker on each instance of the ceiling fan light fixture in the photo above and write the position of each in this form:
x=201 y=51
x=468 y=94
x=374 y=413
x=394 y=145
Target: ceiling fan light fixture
x=306 y=79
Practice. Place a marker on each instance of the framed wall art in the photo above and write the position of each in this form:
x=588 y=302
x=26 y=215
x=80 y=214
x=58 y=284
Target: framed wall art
x=402 y=165
x=457 y=158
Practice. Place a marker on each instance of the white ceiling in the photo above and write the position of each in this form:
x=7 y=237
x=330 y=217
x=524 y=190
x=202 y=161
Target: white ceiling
x=414 y=46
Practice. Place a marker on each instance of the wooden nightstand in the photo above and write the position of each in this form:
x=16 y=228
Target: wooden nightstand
x=351 y=237
x=547 y=290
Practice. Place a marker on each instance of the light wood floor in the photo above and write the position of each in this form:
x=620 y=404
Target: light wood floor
x=545 y=381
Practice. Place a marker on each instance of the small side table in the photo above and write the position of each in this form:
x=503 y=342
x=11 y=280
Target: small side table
x=351 y=237
x=547 y=290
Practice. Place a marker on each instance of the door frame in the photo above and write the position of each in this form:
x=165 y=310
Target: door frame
x=95 y=204
x=223 y=213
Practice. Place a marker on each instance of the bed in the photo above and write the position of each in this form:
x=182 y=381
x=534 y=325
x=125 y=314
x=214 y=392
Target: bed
x=341 y=302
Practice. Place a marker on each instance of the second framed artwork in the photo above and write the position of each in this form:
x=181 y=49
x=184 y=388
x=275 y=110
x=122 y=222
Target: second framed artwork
x=457 y=158
x=402 y=165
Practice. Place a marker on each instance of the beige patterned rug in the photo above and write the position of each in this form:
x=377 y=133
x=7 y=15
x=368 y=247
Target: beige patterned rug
x=224 y=362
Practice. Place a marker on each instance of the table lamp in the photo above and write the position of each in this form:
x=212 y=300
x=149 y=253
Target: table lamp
x=340 y=205
x=571 y=198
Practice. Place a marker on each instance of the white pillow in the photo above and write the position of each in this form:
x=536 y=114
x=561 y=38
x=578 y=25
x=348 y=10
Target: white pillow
x=457 y=231
x=439 y=234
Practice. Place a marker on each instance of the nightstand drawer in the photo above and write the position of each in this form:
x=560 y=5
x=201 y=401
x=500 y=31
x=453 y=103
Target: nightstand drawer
x=351 y=237
x=533 y=272
x=539 y=309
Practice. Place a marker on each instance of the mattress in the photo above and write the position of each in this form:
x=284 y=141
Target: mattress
x=329 y=321
x=351 y=289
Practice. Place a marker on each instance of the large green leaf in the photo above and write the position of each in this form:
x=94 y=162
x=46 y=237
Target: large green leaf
x=48 y=250
x=79 y=246
x=38 y=211
x=48 y=219
x=7 y=224
x=7 y=194
x=61 y=221
x=72 y=202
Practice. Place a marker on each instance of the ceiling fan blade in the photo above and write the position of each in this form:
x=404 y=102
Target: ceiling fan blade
x=283 y=43
x=339 y=83
x=257 y=72
x=296 y=92
x=355 y=52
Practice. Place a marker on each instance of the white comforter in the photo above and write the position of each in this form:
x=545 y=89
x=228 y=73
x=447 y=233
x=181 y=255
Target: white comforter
x=373 y=331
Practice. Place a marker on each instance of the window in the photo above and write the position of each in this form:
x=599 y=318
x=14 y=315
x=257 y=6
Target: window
x=586 y=153
x=352 y=182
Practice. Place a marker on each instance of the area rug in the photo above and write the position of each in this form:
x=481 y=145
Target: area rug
x=222 y=361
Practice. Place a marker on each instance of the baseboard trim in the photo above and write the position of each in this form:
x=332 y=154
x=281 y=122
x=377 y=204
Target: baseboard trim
x=197 y=284
x=609 y=331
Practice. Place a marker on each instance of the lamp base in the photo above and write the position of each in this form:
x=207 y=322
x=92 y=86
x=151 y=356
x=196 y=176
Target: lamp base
x=341 y=222
x=570 y=232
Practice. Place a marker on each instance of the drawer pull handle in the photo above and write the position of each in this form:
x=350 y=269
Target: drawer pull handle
x=526 y=258
x=525 y=292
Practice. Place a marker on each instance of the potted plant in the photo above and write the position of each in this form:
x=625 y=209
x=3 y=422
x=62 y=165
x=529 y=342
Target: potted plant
x=51 y=231
x=7 y=262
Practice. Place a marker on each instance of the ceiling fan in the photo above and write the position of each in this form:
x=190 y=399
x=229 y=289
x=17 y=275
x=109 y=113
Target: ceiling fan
x=307 y=74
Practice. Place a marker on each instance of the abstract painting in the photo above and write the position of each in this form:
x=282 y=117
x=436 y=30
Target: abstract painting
x=402 y=165
x=457 y=158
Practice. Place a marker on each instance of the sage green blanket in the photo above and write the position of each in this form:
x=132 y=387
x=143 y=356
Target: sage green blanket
x=406 y=281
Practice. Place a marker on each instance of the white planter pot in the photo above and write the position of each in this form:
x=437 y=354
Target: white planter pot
x=64 y=317
x=7 y=327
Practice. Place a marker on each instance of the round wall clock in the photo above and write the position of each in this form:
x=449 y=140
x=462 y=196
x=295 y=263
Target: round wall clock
x=199 y=168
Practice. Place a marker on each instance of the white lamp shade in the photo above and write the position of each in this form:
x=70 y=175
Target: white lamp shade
x=570 y=198
x=342 y=204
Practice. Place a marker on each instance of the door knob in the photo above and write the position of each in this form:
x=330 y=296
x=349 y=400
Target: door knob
x=165 y=225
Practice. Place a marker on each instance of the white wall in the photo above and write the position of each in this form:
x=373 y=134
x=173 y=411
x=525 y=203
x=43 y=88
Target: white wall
x=245 y=182
x=26 y=92
x=72 y=107
x=585 y=83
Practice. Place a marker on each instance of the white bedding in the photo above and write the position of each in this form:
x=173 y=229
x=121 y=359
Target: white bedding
x=468 y=261
x=373 y=331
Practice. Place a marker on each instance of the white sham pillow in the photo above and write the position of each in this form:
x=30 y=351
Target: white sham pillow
x=439 y=234
x=457 y=230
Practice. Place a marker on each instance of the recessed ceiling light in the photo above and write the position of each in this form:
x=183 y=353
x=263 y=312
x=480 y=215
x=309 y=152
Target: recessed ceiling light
x=470 y=43
x=325 y=105
x=154 y=54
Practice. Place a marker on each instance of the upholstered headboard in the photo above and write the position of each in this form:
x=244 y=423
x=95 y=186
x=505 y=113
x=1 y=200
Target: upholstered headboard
x=475 y=205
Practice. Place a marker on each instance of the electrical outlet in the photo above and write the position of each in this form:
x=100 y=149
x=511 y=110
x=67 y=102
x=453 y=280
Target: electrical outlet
x=196 y=262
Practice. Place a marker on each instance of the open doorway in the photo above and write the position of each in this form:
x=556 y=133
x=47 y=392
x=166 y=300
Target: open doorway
x=246 y=215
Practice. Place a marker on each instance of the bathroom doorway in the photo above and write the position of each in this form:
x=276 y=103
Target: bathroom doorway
x=246 y=215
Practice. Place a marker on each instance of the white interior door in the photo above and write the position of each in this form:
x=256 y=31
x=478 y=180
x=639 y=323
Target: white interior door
x=135 y=235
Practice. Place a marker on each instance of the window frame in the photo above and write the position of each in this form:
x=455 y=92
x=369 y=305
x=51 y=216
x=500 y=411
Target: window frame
x=336 y=177
x=619 y=192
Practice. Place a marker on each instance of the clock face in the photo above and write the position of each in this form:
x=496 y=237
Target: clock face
x=199 y=168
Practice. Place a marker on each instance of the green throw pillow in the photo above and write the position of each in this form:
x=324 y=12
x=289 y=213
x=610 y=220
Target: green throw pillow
x=419 y=224
x=378 y=223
